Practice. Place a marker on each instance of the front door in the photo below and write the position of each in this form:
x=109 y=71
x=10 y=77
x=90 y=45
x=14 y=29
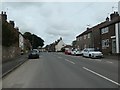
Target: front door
x=113 y=45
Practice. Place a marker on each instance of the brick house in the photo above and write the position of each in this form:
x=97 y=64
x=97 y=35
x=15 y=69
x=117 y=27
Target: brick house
x=91 y=37
x=84 y=40
x=110 y=35
x=98 y=37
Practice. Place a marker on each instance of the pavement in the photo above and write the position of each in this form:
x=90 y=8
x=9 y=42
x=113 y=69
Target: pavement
x=112 y=57
x=9 y=66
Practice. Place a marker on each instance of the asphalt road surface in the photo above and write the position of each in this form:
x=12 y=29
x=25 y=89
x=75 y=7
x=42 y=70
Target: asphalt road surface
x=57 y=70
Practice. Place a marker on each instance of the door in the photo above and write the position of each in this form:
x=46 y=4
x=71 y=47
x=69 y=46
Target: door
x=113 y=45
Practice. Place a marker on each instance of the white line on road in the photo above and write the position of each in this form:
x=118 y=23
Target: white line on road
x=95 y=60
x=69 y=61
x=101 y=76
x=59 y=57
x=109 y=62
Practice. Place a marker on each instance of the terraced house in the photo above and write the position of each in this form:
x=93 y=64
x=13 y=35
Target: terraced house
x=104 y=36
x=110 y=35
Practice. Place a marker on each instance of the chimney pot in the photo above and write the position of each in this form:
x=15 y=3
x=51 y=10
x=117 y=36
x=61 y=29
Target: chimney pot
x=107 y=19
x=5 y=13
x=2 y=12
x=114 y=15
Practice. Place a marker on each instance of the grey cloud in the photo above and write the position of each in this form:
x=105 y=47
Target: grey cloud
x=52 y=20
x=57 y=32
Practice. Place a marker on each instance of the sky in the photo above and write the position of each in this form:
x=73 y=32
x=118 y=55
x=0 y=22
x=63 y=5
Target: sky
x=52 y=20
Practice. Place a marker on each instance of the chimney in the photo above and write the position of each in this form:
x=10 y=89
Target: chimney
x=4 y=16
x=12 y=23
x=17 y=28
x=2 y=12
x=5 y=13
x=114 y=15
x=107 y=19
x=60 y=38
x=88 y=28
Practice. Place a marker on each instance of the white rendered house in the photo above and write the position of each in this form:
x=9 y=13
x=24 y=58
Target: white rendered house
x=60 y=44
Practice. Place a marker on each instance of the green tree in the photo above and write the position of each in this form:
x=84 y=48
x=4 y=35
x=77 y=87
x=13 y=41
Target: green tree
x=34 y=40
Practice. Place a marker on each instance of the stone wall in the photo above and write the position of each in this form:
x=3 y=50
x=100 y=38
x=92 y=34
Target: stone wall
x=9 y=53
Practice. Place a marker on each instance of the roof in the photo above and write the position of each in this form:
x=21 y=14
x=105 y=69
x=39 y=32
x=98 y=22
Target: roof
x=85 y=32
x=68 y=46
x=115 y=20
x=101 y=25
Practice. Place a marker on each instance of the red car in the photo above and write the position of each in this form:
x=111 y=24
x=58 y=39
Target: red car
x=68 y=52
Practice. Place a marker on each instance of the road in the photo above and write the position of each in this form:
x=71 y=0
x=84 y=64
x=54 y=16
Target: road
x=57 y=70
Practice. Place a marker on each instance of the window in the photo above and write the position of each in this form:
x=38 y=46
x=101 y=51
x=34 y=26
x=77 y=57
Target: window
x=81 y=38
x=104 y=30
x=85 y=36
x=105 y=43
x=88 y=35
x=77 y=39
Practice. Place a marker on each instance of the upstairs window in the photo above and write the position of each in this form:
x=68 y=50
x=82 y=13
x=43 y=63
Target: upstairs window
x=81 y=38
x=85 y=36
x=88 y=35
x=78 y=39
x=104 y=30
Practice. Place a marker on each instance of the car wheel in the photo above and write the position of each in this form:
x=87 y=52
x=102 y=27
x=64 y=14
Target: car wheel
x=28 y=57
x=92 y=56
x=89 y=55
x=83 y=55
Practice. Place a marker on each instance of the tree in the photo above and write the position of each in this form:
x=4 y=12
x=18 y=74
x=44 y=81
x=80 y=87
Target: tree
x=28 y=35
x=34 y=40
x=37 y=41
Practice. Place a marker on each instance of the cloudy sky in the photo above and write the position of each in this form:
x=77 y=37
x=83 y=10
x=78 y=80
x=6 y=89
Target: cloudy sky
x=52 y=20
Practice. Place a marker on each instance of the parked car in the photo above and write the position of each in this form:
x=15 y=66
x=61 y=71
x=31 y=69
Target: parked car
x=75 y=52
x=81 y=52
x=68 y=51
x=33 y=54
x=22 y=52
x=92 y=53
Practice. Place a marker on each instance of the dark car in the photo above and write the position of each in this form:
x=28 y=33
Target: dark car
x=33 y=54
x=22 y=52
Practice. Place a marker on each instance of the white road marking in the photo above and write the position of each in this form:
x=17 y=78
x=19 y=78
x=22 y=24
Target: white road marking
x=69 y=61
x=97 y=60
x=59 y=57
x=101 y=76
x=109 y=62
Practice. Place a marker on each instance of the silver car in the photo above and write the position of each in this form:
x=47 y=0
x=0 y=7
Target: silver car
x=92 y=53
